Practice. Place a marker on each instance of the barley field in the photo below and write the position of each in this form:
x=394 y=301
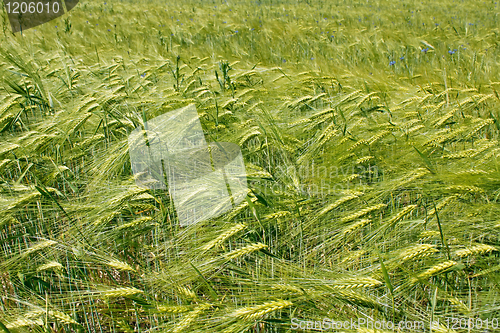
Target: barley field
x=370 y=136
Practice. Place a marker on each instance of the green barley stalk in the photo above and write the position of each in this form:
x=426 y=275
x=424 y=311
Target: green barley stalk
x=258 y=311
x=222 y=237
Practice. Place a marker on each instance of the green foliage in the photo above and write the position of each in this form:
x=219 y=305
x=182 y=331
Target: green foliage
x=373 y=187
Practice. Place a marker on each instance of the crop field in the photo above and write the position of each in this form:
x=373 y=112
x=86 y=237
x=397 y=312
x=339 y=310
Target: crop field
x=370 y=136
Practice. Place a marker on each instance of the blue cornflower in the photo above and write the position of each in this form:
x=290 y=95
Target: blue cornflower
x=236 y=31
x=452 y=51
x=392 y=63
x=284 y=60
x=402 y=58
x=425 y=50
x=312 y=58
x=109 y=29
x=143 y=75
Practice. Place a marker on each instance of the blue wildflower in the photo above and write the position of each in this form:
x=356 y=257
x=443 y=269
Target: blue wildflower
x=402 y=58
x=392 y=63
x=425 y=50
